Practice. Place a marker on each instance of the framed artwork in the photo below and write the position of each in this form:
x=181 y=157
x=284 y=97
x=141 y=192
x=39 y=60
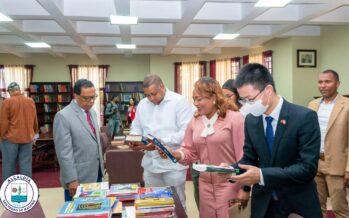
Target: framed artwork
x=306 y=58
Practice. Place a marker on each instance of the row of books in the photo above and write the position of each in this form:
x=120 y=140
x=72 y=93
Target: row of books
x=48 y=118
x=49 y=88
x=51 y=98
x=50 y=107
x=125 y=97
x=124 y=87
x=98 y=200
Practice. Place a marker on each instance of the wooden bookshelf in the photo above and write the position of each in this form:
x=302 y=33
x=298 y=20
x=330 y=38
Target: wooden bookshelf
x=125 y=91
x=49 y=97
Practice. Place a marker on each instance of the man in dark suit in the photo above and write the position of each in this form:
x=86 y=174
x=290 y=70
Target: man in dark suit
x=281 y=150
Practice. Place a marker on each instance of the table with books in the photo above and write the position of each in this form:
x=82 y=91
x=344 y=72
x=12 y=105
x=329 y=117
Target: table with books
x=98 y=200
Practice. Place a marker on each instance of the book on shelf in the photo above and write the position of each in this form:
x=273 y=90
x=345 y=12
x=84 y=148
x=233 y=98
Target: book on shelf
x=63 y=88
x=34 y=88
x=59 y=98
x=162 y=147
x=86 y=208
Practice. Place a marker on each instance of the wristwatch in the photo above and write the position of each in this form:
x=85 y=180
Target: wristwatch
x=246 y=188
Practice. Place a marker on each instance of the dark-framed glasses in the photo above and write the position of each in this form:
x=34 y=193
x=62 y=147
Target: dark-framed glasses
x=89 y=98
x=244 y=101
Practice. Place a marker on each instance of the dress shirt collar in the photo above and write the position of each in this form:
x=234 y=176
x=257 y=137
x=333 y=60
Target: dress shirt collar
x=276 y=112
x=331 y=102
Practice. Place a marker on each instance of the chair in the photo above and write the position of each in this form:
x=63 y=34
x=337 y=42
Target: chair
x=105 y=143
x=106 y=131
x=36 y=212
x=124 y=166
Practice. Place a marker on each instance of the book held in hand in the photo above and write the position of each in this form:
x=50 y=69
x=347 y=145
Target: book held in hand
x=136 y=138
x=162 y=147
x=216 y=169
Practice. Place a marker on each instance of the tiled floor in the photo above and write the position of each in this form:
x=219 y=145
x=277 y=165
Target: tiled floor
x=51 y=200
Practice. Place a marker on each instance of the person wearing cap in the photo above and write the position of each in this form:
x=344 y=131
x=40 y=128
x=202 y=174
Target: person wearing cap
x=230 y=92
x=18 y=126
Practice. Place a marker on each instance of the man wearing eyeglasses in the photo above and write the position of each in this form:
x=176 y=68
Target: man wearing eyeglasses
x=165 y=115
x=76 y=138
x=281 y=151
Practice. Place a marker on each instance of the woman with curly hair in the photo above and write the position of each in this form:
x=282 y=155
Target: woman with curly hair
x=214 y=135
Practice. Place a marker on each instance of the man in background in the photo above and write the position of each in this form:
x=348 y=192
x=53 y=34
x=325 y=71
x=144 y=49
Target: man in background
x=332 y=178
x=281 y=150
x=165 y=115
x=77 y=142
x=18 y=126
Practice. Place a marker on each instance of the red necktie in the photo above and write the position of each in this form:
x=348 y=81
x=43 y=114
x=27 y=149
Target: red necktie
x=89 y=120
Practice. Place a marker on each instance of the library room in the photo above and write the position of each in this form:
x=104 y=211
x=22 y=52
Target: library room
x=158 y=108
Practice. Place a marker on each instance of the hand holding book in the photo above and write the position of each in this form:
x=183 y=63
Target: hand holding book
x=139 y=142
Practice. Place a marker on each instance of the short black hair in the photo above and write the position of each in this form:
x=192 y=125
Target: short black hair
x=256 y=75
x=333 y=72
x=82 y=83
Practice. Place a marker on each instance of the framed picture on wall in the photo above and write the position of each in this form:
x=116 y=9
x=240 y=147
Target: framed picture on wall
x=306 y=58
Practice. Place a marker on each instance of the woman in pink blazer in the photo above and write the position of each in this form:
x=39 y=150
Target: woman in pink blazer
x=213 y=136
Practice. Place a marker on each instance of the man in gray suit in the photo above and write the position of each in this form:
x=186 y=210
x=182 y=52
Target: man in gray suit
x=76 y=138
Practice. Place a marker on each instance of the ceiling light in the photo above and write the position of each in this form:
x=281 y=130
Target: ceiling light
x=222 y=36
x=123 y=20
x=272 y=3
x=126 y=46
x=3 y=17
x=38 y=44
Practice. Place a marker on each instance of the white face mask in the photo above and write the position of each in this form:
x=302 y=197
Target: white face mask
x=255 y=108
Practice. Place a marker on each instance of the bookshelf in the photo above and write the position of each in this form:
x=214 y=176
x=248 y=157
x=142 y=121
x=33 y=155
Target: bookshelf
x=49 y=97
x=125 y=91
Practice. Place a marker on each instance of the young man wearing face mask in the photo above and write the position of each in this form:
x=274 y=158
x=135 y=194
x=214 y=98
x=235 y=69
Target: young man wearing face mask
x=281 y=150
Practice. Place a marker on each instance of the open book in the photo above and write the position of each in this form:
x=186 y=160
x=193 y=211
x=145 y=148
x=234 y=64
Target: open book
x=162 y=147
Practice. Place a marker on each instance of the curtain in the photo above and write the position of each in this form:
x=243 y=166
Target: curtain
x=245 y=59
x=187 y=74
x=223 y=70
x=96 y=74
x=256 y=58
x=177 y=80
x=268 y=60
x=235 y=67
x=21 y=74
x=213 y=69
x=103 y=73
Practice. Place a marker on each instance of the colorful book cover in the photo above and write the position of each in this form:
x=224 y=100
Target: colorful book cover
x=116 y=205
x=94 y=186
x=162 y=147
x=91 y=194
x=127 y=188
x=86 y=208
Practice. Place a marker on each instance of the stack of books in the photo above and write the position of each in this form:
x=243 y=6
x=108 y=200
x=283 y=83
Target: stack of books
x=155 y=202
x=124 y=192
x=86 y=208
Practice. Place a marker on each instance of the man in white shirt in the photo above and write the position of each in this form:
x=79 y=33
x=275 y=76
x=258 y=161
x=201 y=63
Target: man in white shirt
x=165 y=115
x=332 y=178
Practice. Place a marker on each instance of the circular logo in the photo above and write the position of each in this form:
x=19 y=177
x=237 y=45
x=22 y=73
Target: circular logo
x=19 y=193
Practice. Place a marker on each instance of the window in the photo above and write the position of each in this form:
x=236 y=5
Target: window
x=224 y=69
x=268 y=60
x=21 y=74
x=265 y=58
x=186 y=74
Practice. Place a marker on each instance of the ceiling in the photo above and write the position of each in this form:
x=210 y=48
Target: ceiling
x=164 y=26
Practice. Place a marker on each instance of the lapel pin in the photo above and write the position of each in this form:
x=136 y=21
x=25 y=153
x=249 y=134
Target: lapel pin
x=283 y=122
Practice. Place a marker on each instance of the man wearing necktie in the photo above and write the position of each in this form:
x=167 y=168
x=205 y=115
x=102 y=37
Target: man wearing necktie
x=76 y=138
x=281 y=150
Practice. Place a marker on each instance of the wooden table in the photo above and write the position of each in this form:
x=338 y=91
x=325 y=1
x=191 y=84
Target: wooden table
x=44 y=151
x=180 y=212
